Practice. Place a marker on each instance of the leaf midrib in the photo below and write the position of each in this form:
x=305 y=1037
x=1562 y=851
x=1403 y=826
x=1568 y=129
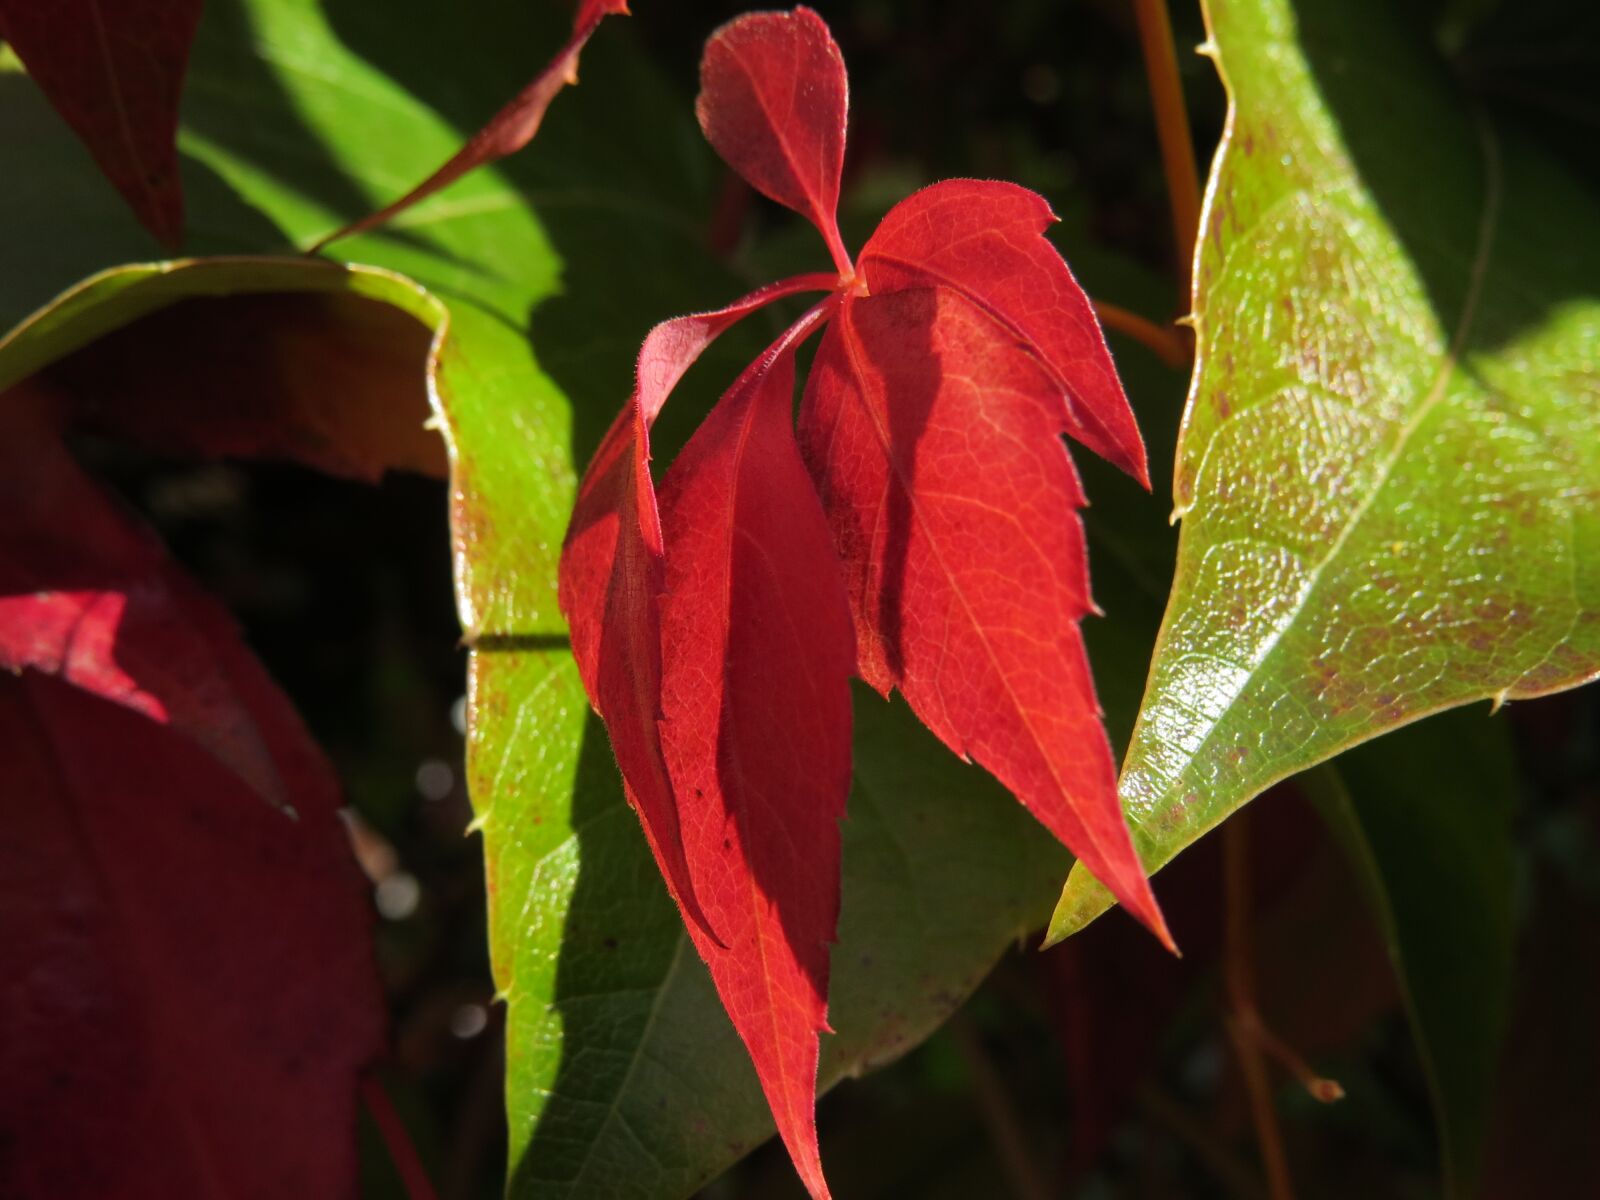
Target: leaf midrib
x=899 y=474
x=1487 y=219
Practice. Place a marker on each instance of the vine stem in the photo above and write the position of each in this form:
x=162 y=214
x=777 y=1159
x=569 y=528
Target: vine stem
x=1005 y=1129
x=1165 y=341
x=1172 y=130
x=407 y=1163
x=1243 y=1020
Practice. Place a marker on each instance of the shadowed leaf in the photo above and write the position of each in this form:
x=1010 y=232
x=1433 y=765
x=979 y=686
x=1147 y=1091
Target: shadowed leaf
x=114 y=70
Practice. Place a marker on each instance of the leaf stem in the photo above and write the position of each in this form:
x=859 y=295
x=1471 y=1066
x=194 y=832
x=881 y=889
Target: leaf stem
x=998 y=1114
x=1240 y=1181
x=1165 y=341
x=1172 y=130
x=407 y=1163
x=1243 y=1021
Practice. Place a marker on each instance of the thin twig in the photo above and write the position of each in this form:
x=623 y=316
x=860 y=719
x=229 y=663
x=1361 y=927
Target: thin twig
x=1239 y=1179
x=999 y=1115
x=481 y=1116
x=402 y=1153
x=1172 y=129
x=1320 y=1087
x=1170 y=346
x=1242 y=1020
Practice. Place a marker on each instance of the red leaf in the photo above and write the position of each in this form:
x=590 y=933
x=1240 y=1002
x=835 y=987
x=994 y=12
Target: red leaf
x=192 y=982
x=758 y=656
x=114 y=71
x=933 y=435
x=983 y=240
x=509 y=130
x=611 y=578
x=773 y=100
x=190 y=993
x=960 y=352
x=90 y=597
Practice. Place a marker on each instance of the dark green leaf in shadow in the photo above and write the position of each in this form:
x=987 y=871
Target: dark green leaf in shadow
x=1425 y=817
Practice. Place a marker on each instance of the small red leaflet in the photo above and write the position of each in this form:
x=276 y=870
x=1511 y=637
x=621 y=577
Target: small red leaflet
x=919 y=529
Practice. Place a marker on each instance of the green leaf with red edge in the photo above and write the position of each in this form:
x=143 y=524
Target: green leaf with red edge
x=114 y=71
x=717 y=647
x=1390 y=504
x=173 y=853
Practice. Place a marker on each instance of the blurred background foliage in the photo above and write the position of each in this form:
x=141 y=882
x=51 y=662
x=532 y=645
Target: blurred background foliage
x=1099 y=1068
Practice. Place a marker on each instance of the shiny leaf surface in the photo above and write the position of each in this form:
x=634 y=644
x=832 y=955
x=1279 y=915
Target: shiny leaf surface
x=1388 y=465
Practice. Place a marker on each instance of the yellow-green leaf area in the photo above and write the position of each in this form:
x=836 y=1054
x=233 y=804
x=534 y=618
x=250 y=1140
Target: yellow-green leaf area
x=1389 y=469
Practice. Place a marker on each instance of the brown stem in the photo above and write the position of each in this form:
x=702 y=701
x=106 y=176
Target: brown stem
x=1243 y=1021
x=1321 y=1088
x=481 y=1116
x=998 y=1114
x=398 y=1142
x=1240 y=1181
x=1168 y=344
x=1172 y=130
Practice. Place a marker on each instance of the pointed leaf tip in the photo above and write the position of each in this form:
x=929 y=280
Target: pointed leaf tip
x=508 y=131
x=932 y=423
x=611 y=581
x=773 y=101
x=115 y=74
x=985 y=240
x=757 y=658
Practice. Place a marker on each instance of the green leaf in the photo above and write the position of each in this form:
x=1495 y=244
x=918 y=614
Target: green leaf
x=623 y=1074
x=119 y=296
x=1425 y=817
x=1389 y=470
x=625 y=1078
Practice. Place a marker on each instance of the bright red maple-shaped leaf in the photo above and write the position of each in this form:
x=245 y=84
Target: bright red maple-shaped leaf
x=114 y=70
x=757 y=659
x=611 y=573
x=921 y=532
x=191 y=994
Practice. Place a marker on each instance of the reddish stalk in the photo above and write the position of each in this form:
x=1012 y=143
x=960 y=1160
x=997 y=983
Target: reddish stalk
x=1005 y=1128
x=1164 y=340
x=1172 y=130
x=1243 y=1020
x=396 y=1140
x=1240 y=1181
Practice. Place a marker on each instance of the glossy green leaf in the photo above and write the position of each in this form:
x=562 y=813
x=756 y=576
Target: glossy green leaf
x=1425 y=817
x=1389 y=469
x=623 y=1075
